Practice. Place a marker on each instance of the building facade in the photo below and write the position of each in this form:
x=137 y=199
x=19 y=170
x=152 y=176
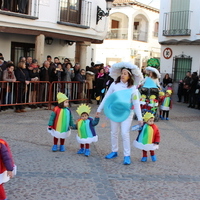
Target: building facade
x=179 y=36
x=132 y=34
x=62 y=28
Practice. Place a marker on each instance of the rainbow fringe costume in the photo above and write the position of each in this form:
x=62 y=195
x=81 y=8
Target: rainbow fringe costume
x=147 y=137
x=86 y=132
x=60 y=121
x=166 y=103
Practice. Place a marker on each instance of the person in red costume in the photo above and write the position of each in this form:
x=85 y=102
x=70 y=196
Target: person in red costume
x=7 y=166
x=148 y=138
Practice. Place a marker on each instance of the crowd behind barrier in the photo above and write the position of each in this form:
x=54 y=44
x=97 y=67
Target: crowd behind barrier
x=41 y=93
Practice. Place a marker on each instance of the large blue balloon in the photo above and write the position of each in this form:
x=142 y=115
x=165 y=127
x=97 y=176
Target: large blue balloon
x=117 y=106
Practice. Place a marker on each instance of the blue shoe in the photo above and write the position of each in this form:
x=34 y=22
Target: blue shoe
x=87 y=152
x=81 y=151
x=55 y=148
x=127 y=160
x=111 y=155
x=153 y=158
x=62 y=148
x=144 y=159
x=162 y=118
x=167 y=118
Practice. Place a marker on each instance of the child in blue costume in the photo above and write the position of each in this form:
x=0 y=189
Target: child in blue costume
x=148 y=138
x=166 y=105
x=86 y=132
x=60 y=122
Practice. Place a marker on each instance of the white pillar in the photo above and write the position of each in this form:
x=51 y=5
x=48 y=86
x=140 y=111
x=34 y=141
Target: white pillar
x=39 y=48
x=85 y=54
x=130 y=27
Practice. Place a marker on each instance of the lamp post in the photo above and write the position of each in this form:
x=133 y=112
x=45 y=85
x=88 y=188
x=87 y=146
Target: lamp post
x=101 y=13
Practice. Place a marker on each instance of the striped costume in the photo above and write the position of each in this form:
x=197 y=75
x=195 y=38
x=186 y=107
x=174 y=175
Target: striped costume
x=147 y=137
x=86 y=132
x=60 y=121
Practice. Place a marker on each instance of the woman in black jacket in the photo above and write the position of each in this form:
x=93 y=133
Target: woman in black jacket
x=100 y=84
x=22 y=75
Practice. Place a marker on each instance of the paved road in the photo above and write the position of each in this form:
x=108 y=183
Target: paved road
x=44 y=175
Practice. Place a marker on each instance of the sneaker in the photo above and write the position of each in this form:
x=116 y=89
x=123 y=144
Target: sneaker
x=87 y=152
x=153 y=158
x=22 y=110
x=167 y=118
x=111 y=155
x=127 y=160
x=144 y=159
x=81 y=151
x=62 y=148
x=55 y=148
x=162 y=118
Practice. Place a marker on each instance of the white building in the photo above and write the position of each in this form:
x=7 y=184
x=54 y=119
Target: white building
x=132 y=34
x=179 y=36
x=62 y=28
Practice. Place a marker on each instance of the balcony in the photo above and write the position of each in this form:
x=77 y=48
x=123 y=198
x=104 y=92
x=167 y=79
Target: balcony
x=75 y=14
x=140 y=35
x=117 y=33
x=155 y=34
x=177 y=23
x=28 y=10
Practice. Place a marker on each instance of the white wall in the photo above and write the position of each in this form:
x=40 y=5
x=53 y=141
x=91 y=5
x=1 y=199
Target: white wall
x=48 y=17
x=56 y=49
x=189 y=50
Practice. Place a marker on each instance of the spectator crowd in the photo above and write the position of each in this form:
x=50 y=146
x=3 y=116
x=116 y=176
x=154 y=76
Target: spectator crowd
x=31 y=82
x=31 y=79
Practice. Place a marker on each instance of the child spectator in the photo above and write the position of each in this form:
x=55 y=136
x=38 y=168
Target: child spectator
x=60 y=121
x=7 y=167
x=148 y=138
x=86 y=132
x=166 y=105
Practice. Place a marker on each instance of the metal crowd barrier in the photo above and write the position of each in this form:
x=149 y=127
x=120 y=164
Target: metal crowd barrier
x=41 y=92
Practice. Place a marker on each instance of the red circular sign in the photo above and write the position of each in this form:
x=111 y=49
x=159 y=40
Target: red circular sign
x=167 y=53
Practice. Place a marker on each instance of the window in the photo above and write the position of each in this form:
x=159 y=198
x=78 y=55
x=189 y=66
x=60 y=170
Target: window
x=182 y=64
x=75 y=12
x=70 y=11
x=156 y=27
x=21 y=49
x=25 y=7
x=177 y=22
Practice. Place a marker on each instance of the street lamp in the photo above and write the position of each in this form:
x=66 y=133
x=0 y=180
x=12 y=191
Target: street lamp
x=101 y=13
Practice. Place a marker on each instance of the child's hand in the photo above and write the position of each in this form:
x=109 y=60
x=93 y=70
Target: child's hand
x=140 y=123
x=97 y=115
x=10 y=174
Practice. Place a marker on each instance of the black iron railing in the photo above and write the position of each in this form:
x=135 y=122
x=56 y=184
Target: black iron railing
x=177 y=23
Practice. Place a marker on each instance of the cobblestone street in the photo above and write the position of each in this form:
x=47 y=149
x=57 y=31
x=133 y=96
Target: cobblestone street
x=46 y=175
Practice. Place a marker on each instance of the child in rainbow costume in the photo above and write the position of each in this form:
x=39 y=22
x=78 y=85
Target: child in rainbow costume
x=7 y=166
x=166 y=105
x=148 y=138
x=86 y=132
x=60 y=122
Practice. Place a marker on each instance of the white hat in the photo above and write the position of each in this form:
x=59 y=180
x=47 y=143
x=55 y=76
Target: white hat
x=115 y=71
x=98 y=63
x=153 y=70
x=89 y=72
